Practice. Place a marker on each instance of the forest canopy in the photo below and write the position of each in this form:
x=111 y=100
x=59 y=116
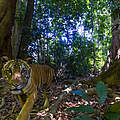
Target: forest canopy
x=74 y=35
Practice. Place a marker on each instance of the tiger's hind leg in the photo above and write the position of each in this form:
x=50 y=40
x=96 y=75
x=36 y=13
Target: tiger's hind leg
x=46 y=103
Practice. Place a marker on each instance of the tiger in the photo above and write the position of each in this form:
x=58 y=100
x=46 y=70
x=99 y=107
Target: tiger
x=25 y=79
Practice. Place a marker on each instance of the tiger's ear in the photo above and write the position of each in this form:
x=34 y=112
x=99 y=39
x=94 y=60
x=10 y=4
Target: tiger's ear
x=29 y=60
x=4 y=59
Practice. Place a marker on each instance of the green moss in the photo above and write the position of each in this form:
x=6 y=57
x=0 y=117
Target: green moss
x=112 y=76
x=114 y=107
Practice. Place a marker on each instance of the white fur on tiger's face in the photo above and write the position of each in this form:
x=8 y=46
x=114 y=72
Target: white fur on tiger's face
x=17 y=73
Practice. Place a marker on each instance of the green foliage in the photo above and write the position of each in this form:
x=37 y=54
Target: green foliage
x=101 y=91
x=112 y=116
x=113 y=112
x=83 y=117
x=114 y=107
x=66 y=32
x=79 y=60
x=20 y=11
x=82 y=108
x=85 y=97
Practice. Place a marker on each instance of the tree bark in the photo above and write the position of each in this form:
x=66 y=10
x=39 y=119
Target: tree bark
x=115 y=46
x=7 y=12
x=114 y=52
x=25 y=38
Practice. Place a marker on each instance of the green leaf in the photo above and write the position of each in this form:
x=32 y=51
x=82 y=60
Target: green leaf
x=112 y=116
x=83 y=117
x=85 y=97
x=114 y=107
x=101 y=91
x=88 y=2
x=82 y=108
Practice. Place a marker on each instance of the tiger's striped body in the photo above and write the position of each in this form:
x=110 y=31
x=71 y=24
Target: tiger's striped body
x=25 y=79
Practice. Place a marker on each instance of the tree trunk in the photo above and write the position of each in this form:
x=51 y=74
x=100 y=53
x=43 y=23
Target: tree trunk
x=25 y=38
x=115 y=46
x=114 y=52
x=7 y=12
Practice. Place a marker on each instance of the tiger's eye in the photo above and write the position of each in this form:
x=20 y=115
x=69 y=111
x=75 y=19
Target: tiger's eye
x=23 y=70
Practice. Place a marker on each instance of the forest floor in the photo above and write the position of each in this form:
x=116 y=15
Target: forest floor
x=11 y=108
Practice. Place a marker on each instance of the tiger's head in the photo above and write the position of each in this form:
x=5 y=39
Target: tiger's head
x=18 y=75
